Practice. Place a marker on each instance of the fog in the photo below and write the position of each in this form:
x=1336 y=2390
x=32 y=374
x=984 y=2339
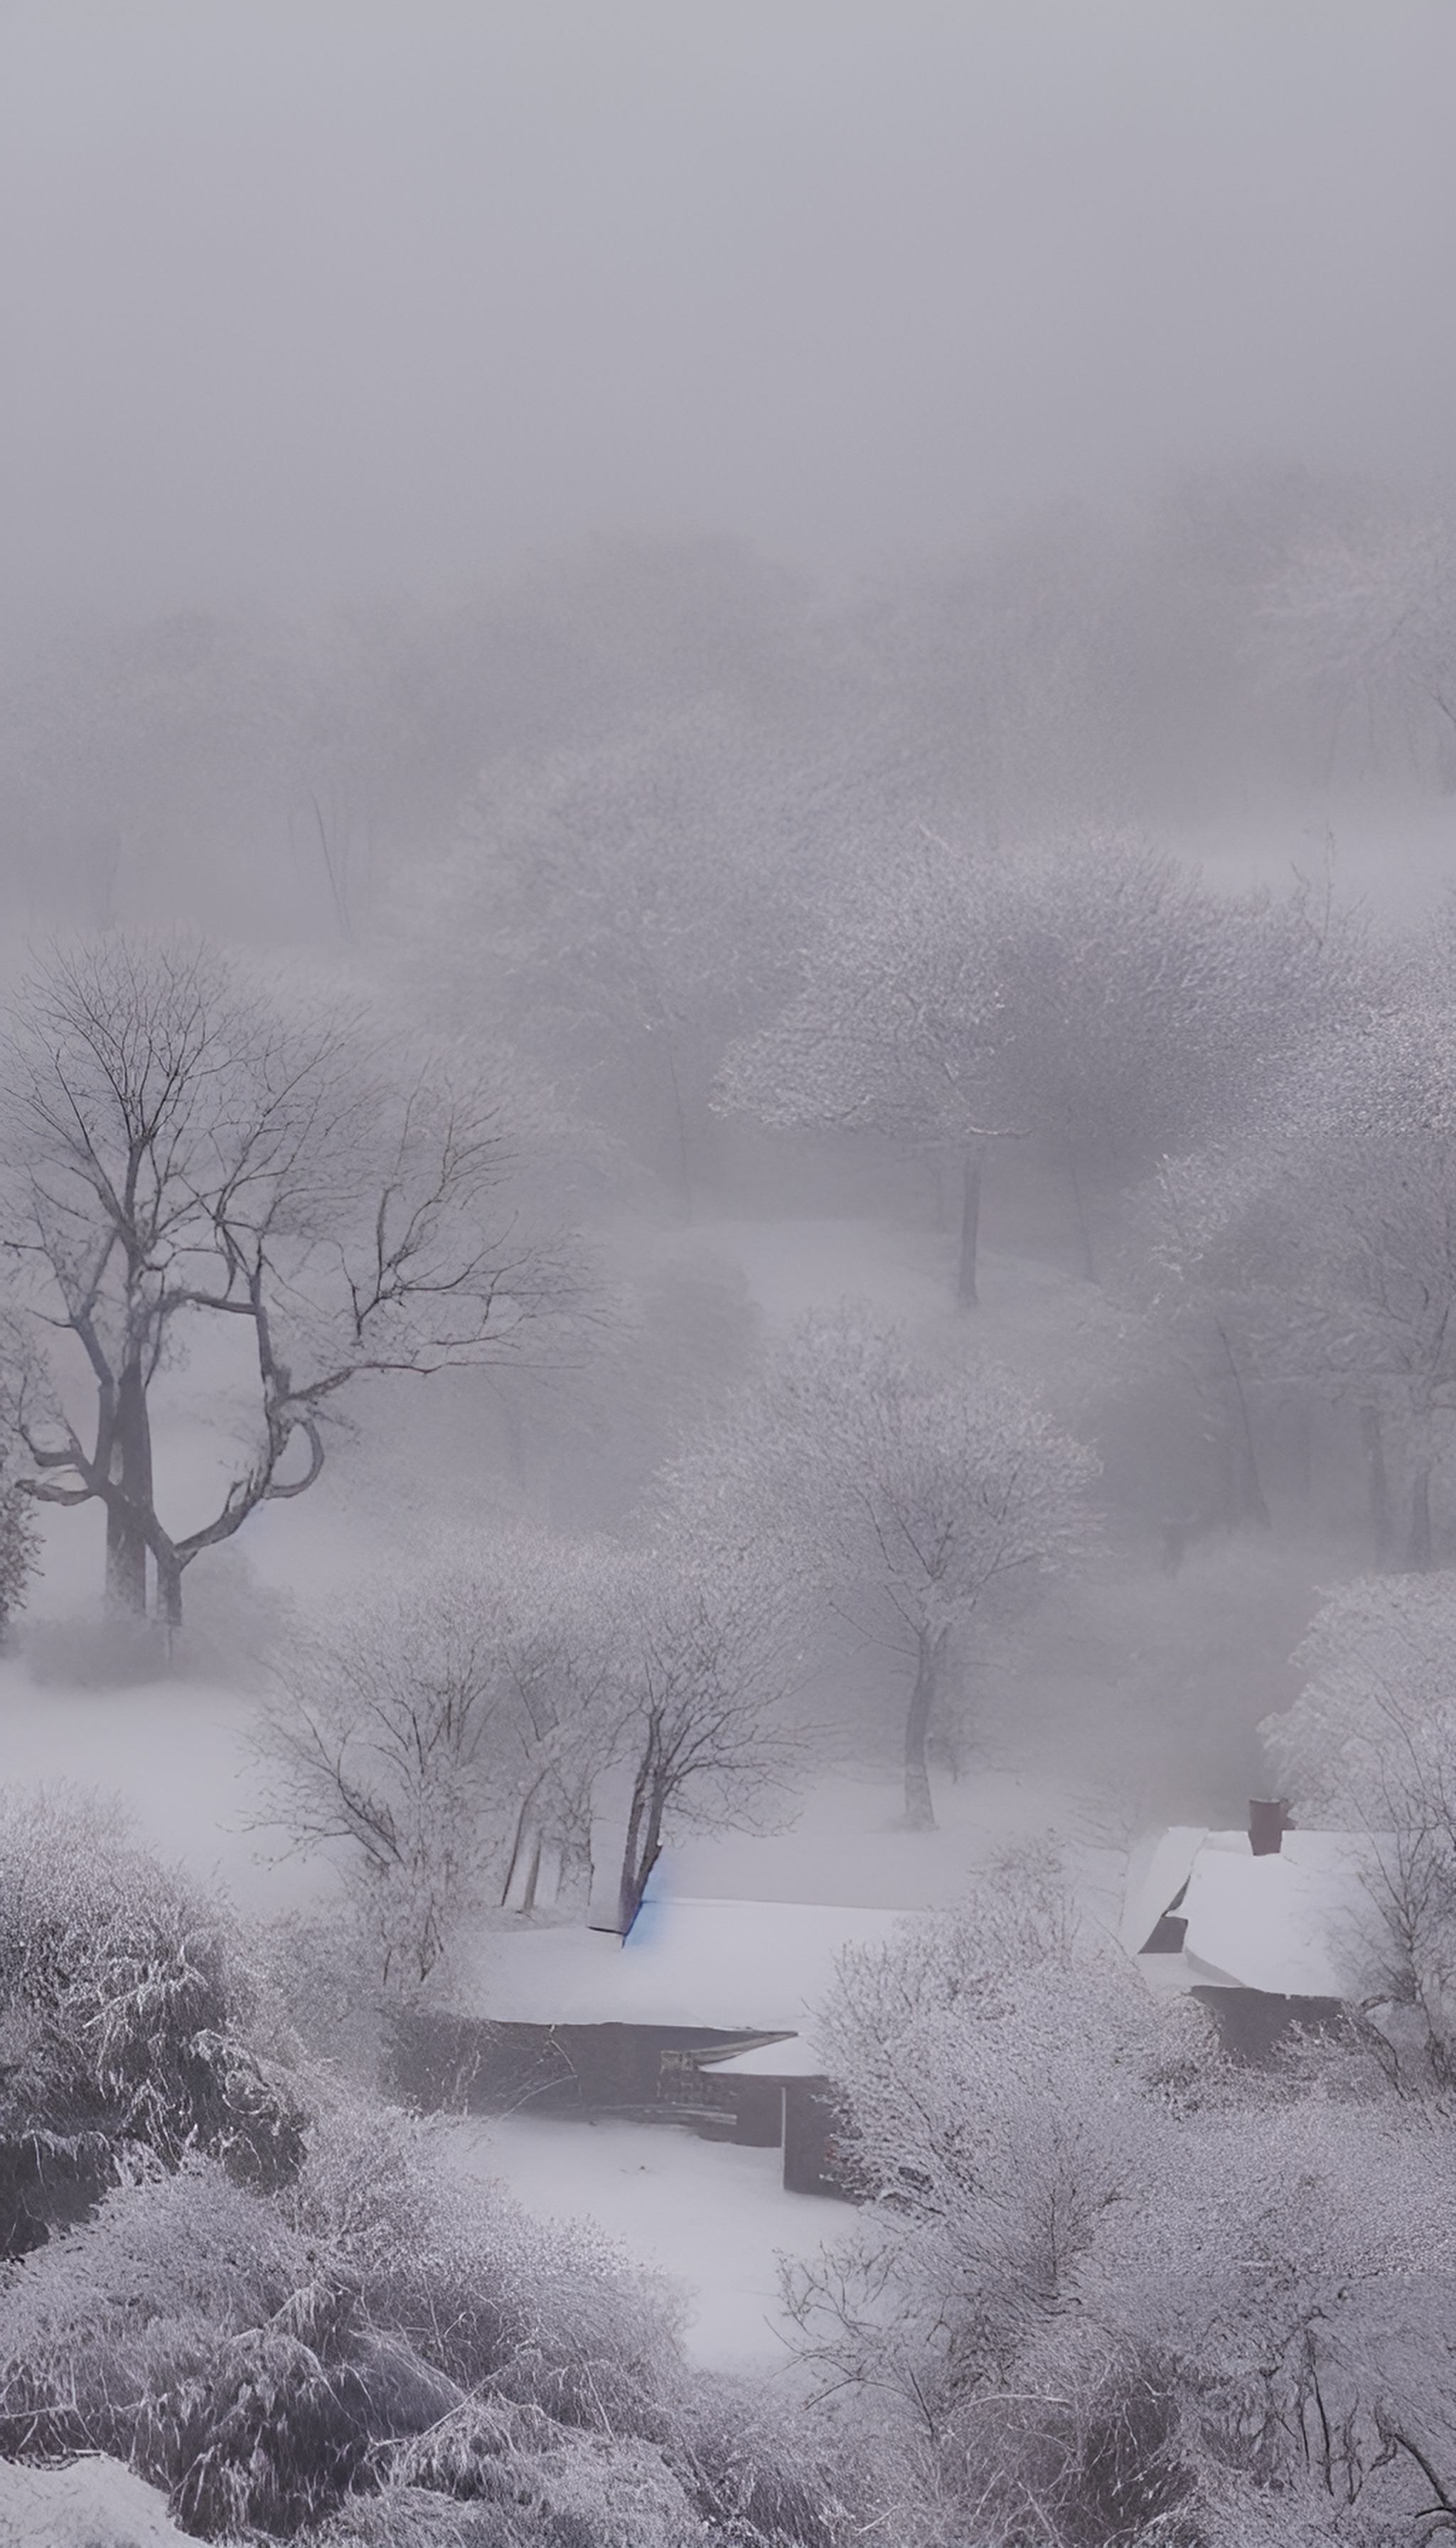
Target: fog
x=302 y=303
x=727 y=1273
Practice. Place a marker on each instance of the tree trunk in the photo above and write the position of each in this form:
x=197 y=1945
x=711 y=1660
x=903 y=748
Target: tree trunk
x=125 y=1565
x=574 y=1874
x=1084 y=1226
x=644 y=1845
x=1250 y=1503
x=970 y=1219
x=517 y=1847
x=1377 y=1483
x=169 y=1591
x=919 y=1810
x=1420 y=1555
x=125 y=1542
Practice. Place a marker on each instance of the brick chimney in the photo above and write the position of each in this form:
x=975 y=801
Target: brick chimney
x=1268 y=1821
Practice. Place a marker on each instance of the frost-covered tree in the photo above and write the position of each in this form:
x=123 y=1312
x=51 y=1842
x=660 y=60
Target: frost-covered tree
x=191 y=1152
x=997 y=2077
x=709 y=1655
x=916 y=1488
x=1099 y=999
x=1361 y=618
x=439 y=1731
x=1370 y=1745
x=896 y=1028
x=1142 y=1013
x=1322 y=1239
x=1102 y=2288
x=447 y=1734
x=629 y=906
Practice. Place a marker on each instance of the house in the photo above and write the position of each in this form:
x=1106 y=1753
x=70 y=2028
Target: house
x=1269 y=1927
x=698 y=2017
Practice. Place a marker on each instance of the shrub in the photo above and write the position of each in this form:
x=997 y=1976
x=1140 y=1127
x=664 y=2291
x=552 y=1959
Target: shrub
x=119 y=2042
x=259 y=2356
x=763 y=2476
x=549 y=2485
x=551 y=2314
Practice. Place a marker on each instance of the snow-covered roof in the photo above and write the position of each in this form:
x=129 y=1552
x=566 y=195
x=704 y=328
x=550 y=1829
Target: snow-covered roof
x=742 y=1967
x=793 y=2057
x=1296 y=1922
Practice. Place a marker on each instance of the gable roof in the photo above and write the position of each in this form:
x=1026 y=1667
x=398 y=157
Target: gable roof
x=737 y=1967
x=1298 y=1923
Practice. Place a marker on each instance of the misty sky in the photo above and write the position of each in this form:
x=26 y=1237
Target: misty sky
x=304 y=298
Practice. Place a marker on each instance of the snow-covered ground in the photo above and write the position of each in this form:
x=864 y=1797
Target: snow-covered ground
x=714 y=2217
x=849 y=1843
x=176 y=1755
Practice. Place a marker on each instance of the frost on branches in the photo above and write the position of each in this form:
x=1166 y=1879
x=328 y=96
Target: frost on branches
x=915 y=1488
x=1102 y=2288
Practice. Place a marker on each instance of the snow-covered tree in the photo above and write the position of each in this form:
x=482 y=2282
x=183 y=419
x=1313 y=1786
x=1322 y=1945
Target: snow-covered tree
x=1322 y=1239
x=1101 y=2287
x=917 y=1489
x=895 y=1029
x=1142 y=1013
x=1099 y=999
x=189 y=1150
x=447 y=1734
x=439 y=1731
x=708 y=1655
x=1362 y=619
x=998 y=2073
x=628 y=906
x=1370 y=1745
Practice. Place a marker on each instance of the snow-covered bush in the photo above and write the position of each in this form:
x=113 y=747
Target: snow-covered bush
x=386 y=2324
x=120 y=2046
x=1370 y=1745
x=1102 y=2288
x=551 y=2318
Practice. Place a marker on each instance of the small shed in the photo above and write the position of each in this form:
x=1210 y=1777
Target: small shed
x=1269 y=1927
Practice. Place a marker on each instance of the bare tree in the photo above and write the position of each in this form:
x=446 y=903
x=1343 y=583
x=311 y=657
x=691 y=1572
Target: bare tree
x=708 y=1652
x=432 y=1731
x=186 y=1146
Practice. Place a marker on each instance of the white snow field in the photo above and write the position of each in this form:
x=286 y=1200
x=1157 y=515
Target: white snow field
x=713 y=2218
x=96 y=2502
